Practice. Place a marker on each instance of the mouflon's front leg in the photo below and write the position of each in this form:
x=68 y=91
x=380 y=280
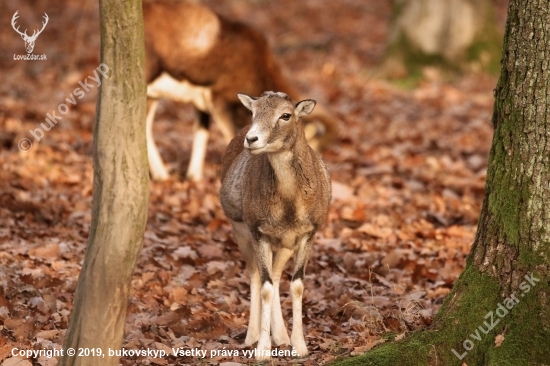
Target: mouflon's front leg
x=278 y=329
x=264 y=262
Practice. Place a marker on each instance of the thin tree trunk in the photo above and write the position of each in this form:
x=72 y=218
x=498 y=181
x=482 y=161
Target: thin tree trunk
x=499 y=310
x=121 y=190
x=456 y=34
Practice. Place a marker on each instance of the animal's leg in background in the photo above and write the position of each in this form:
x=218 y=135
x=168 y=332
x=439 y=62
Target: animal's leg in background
x=297 y=290
x=156 y=166
x=200 y=142
x=278 y=329
x=223 y=118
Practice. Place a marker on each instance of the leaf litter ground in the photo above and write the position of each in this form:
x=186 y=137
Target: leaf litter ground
x=408 y=172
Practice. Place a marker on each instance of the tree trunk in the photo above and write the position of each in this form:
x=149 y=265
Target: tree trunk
x=504 y=292
x=455 y=34
x=121 y=190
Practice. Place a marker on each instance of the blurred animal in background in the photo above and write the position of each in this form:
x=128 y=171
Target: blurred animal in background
x=196 y=56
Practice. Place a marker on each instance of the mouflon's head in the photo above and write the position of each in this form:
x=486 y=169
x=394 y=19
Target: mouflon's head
x=275 y=121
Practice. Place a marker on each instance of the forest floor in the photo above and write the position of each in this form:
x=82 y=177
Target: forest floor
x=408 y=172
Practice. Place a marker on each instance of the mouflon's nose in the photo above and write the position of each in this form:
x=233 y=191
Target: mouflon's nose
x=251 y=140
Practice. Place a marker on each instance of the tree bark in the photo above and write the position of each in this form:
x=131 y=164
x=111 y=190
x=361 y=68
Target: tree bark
x=504 y=290
x=121 y=190
x=455 y=34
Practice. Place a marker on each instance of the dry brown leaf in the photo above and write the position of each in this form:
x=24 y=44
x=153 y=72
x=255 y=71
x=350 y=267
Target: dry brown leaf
x=216 y=266
x=399 y=336
x=184 y=252
x=50 y=251
x=210 y=251
x=16 y=361
x=362 y=349
x=341 y=191
x=440 y=291
x=47 y=361
x=178 y=295
x=392 y=259
x=159 y=361
x=376 y=231
x=47 y=334
x=163 y=347
x=147 y=276
x=21 y=329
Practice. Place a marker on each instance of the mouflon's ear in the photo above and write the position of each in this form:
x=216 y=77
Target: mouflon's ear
x=304 y=107
x=246 y=100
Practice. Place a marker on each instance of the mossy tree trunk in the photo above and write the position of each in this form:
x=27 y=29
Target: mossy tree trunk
x=503 y=294
x=120 y=189
x=454 y=34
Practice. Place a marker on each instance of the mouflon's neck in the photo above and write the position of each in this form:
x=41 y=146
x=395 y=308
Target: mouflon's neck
x=289 y=166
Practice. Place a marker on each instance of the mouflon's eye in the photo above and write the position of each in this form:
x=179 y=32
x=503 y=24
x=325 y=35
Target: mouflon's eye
x=285 y=116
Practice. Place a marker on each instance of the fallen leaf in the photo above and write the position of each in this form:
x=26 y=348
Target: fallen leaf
x=341 y=191
x=376 y=231
x=50 y=251
x=184 y=252
x=16 y=361
x=362 y=349
x=47 y=334
x=399 y=337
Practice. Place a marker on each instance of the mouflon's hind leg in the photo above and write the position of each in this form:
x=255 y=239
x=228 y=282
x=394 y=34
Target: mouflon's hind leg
x=297 y=290
x=245 y=241
x=200 y=143
x=221 y=114
x=156 y=166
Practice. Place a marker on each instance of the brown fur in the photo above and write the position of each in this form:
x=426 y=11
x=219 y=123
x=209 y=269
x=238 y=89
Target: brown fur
x=240 y=61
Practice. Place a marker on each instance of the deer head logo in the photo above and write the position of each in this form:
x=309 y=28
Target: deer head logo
x=29 y=40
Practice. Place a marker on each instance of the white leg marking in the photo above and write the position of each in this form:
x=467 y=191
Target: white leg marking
x=264 y=344
x=198 y=154
x=253 y=332
x=297 y=337
x=156 y=166
x=278 y=329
